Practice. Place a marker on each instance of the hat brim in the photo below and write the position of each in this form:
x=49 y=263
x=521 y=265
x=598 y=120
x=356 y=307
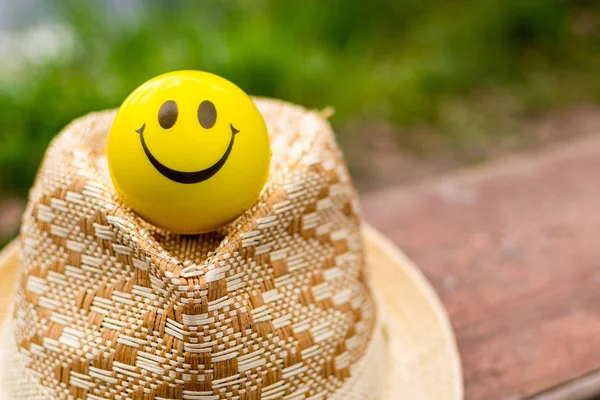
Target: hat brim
x=424 y=362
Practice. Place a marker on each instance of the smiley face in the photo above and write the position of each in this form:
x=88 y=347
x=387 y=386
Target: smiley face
x=188 y=151
x=167 y=116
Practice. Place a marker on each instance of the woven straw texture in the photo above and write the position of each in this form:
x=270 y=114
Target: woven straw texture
x=272 y=306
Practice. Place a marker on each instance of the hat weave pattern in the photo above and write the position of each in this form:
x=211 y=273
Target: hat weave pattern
x=274 y=305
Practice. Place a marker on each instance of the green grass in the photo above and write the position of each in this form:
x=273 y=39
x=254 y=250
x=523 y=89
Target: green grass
x=461 y=67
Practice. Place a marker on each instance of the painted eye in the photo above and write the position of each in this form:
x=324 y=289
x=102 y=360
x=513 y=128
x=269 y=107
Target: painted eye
x=167 y=115
x=207 y=114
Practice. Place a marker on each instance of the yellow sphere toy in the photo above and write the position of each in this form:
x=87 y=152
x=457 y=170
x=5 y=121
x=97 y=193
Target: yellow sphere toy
x=188 y=151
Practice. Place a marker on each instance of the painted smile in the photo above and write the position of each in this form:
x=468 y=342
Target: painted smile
x=184 y=176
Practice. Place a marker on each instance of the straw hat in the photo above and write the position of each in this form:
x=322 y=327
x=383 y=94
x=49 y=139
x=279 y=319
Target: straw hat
x=293 y=300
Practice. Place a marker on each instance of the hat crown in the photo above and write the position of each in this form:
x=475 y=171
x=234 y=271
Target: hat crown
x=273 y=304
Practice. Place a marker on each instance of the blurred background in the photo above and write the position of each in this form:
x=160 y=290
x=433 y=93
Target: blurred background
x=418 y=86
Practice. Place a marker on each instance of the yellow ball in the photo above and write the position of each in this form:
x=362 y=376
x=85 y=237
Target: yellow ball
x=188 y=151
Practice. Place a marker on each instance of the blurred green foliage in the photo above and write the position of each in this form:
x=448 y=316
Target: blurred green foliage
x=402 y=61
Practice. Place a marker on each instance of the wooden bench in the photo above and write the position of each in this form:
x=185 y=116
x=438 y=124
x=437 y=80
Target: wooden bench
x=513 y=250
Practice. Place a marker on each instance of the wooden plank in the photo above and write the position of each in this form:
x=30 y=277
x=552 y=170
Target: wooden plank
x=513 y=251
x=586 y=387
